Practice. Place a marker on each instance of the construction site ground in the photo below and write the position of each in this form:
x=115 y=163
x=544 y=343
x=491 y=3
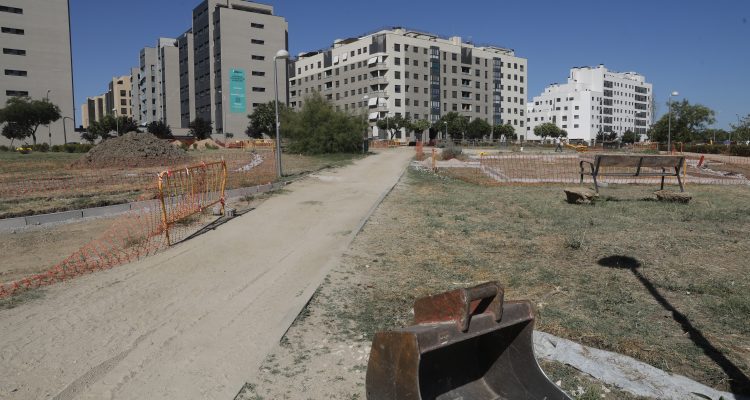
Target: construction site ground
x=196 y=320
x=682 y=308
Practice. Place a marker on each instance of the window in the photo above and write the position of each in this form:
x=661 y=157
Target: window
x=15 y=52
x=15 y=72
x=397 y=88
x=259 y=89
x=260 y=73
x=14 y=31
x=261 y=58
x=123 y=102
x=396 y=47
x=396 y=61
x=259 y=26
x=13 y=10
x=575 y=126
x=16 y=93
x=398 y=102
x=397 y=74
x=454 y=57
x=257 y=41
x=123 y=93
x=123 y=111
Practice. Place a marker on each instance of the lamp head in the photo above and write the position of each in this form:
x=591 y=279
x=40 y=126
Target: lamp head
x=283 y=54
x=675 y=93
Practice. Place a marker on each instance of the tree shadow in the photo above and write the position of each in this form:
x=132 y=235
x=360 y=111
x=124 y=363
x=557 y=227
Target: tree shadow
x=738 y=381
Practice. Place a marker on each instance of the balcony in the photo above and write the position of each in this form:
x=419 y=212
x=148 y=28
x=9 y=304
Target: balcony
x=378 y=79
x=378 y=93
x=379 y=65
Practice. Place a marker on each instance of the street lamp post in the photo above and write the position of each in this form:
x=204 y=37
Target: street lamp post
x=738 y=127
x=284 y=55
x=365 y=98
x=669 y=126
x=223 y=116
x=446 y=130
x=117 y=122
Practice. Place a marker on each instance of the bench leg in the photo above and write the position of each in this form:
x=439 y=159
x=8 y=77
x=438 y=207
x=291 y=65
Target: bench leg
x=662 y=178
x=679 y=181
x=596 y=184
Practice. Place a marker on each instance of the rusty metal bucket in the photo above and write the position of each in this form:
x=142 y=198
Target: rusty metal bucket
x=466 y=344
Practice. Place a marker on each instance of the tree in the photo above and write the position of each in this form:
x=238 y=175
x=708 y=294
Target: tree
x=319 y=128
x=263 y=120
x=629 y=137
x=25 y=115
x=506 y=130
x=548 y=129
x=12 y=132
x=200 y=128
x=419 y=126
x=456 y=123
x=605 y=137
x=393 y=125
x=741 y=131
x=689 y=121
x=160 y=130
x=108 y=127
x=478 y=128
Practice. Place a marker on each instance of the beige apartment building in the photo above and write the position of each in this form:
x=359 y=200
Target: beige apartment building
x=36 y=60
x=117 y=101
x=416 y=75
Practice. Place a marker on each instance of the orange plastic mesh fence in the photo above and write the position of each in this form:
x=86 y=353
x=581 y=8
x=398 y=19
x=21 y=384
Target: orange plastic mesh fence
x=565 y=168
x=140 y=232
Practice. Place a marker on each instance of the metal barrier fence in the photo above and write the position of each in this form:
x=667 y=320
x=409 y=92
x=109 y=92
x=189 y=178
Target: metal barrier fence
x=419 y=151
x=188 y=191
x=384 y=144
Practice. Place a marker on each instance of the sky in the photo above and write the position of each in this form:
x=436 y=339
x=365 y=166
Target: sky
x=699 y=48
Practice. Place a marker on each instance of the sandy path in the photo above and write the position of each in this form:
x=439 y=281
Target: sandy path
x=193 y=321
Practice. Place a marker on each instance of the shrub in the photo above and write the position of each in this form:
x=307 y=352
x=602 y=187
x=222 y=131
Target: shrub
x=40 y=147
x=451 y=151
x=4 y=148
x=319 y=128
x=741 y=150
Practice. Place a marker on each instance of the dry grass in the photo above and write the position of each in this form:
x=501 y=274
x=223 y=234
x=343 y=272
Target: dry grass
x=64 y=188
x=692 y=282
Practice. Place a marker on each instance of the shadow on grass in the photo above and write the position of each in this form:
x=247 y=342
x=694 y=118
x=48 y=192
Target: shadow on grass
x=739 y=382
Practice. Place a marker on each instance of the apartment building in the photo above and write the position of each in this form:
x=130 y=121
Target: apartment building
x=234 y=44
x=135 y=97
x=117 y=101
x=187 y=78
x=416 y=75
x=36 y=59
x=94 y=110
x=594 y=100
x=159 y=84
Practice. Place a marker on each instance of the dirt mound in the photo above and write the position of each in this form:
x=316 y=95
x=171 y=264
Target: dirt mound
x=207 y=144
x=132 y=149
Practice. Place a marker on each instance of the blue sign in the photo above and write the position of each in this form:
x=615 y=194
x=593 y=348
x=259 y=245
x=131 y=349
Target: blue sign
x=237 y=98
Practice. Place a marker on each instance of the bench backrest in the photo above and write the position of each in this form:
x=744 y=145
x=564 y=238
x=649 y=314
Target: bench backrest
x=628 y=160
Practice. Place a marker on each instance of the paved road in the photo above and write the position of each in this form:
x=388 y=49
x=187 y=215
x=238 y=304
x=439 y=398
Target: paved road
x=195 y=321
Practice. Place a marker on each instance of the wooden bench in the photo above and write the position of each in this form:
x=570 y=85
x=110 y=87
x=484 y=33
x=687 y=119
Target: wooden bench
x=642 y=165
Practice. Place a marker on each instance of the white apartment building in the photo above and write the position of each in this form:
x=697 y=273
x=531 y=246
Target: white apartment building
x=594 y=100
x=416 y=75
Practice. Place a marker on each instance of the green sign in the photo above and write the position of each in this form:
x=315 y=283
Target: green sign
x=237 y=98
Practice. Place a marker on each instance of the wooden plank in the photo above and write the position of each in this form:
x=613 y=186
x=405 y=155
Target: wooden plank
x=662 y=161
x=617 y=160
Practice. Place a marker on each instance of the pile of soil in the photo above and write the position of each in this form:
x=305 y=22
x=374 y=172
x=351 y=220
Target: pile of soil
x=207 y=143
x=132 y=149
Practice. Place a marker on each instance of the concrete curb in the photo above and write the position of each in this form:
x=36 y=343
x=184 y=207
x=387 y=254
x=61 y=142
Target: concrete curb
x=11 y=224
x=625 y=372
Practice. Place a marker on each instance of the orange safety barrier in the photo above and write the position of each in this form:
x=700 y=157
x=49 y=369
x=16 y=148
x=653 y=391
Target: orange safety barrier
x=189 y=191
x=419 y=151
x=185 y=192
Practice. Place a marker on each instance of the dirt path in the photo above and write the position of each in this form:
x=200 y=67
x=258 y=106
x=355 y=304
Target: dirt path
x=194 y=321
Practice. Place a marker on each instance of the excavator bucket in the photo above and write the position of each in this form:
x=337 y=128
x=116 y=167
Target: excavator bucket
x=465 y=344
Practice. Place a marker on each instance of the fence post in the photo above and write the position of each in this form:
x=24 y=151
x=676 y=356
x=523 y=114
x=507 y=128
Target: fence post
x=223 y=184
x=164 y=222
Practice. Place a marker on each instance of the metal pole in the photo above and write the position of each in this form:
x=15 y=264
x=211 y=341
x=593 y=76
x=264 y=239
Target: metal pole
x=49 y=129
x=669 y=129
x=278 y=136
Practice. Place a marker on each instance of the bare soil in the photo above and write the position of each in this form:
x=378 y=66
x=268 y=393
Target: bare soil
x=132 y=150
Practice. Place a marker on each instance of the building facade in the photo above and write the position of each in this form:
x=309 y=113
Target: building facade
x=159 y=84
x=36 y=59
x=93 y=110
x=234 y=44
x=117 y=101
x=594 y=100
x=416 y=75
